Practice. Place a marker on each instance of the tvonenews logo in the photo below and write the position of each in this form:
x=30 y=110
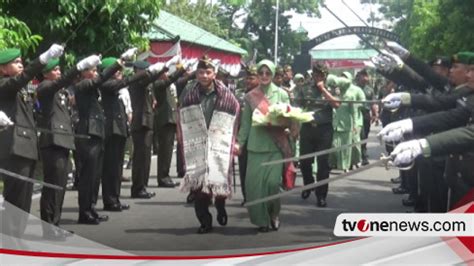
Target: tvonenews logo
x=404 y=224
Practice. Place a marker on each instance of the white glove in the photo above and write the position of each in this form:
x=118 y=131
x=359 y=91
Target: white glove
x=406 y=152
x=173 y=61
x=395 y=59
x=395 y=131
x=398 y=49
x=394 y=100
x=124 y=96
x=128 y=55
x=54 y=51
x=382 y=63
x=5 y=120
x=156 y=67
x=88 y=62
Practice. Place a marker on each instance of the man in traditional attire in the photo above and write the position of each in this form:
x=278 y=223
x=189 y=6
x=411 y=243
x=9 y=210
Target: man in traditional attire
x=207 y=123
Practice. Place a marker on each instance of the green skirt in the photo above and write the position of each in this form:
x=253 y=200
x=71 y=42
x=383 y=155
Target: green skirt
x=341 y=159
x=262 y=181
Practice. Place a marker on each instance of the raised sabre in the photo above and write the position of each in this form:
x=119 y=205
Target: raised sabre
x=338 y=101
x=315 y=154
x=29 y=180
x=383 y=161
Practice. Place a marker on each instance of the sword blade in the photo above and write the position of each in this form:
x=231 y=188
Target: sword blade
x=315 y=154
x=47 y=131
x=29 y=180
x=340 y=101
x=380 y=162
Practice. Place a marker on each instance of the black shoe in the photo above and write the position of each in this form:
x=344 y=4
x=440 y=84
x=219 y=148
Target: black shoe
x=222 y=217
x=87 y=218
x=275 y=224
x=321 y=203
x=408 y=202
x=263 y=229
x=101 y=218
x=365 y=162
x=242 y=203
x=143 y=195
x=396 y=180
x=305 y=194
x=204 y=229
x=124 y=206
x=399 y=190
x=166 y=182
x=117 y=207
x=190 y=198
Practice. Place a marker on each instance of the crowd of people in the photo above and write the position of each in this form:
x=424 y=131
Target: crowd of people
x=92 y=109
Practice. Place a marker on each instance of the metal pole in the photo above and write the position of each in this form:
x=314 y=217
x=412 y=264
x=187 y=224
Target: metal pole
x=276 y=31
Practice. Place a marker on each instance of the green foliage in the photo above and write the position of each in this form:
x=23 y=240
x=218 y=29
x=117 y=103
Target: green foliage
x=258 y=32
x=430 y=28
x=15 y=33
x=88 y=26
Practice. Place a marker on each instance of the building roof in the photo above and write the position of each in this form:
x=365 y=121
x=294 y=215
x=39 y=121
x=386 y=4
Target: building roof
x=168 y=26
x=341 y=54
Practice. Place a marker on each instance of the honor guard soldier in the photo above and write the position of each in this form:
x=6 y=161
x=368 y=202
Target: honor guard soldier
x=19 y=141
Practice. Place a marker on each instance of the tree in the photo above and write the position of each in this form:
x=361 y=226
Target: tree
x=200 y=13
x=431 y=28
x=257 y=32
x=15 y=33
x=88 y=26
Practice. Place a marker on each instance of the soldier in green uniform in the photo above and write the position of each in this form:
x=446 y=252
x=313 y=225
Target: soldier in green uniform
x=19 y=141
x=55 y=102
x=318 y=134
x=369 y=111
x=251 y=82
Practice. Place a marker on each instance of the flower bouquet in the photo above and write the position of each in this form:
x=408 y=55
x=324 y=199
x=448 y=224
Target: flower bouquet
x=281 y=114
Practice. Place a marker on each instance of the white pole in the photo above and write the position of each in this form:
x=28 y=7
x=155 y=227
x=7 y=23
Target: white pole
x=276 y=31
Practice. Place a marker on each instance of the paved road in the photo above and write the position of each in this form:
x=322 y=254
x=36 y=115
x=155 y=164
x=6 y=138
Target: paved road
x=167 y=223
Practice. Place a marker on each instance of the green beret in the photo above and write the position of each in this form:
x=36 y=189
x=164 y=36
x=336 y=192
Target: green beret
x=8 y=55
x=279 y=71
x=463 y=58
x=51 y=64
x=108 y=61
x=321 y=68
x=347 y=74
x=141 y=64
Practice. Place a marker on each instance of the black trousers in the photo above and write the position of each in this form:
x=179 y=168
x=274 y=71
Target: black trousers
x=142 y=141
x=243 y=168
x=165 y=138
x=55 y=169
x=90 y=152
x=17 y=195
x=114 y=150
x=201 y=207
x=433 y=187
x=364 y=133
x=313 y=139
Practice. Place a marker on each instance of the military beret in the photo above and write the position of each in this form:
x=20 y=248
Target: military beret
x=50 y=65
x=321 y=68
x=205 y=62
x=251 y=70
x=279 y=71
x=108 y=61
x=287 y=68
x=362 y=72
x=441 y=61
x=8 y=55
x=462 y=58
x=223 y=72
x=140 y=64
